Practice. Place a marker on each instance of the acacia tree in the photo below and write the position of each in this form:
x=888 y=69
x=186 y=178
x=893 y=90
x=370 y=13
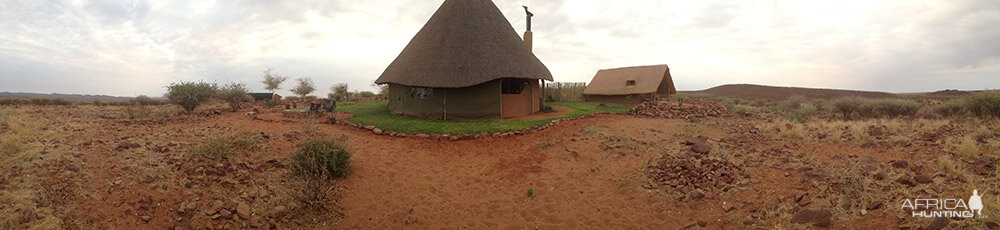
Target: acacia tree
x=272 y=81
x=339 y=92
x=304 y=88
x=190 y=94
x=235 y=94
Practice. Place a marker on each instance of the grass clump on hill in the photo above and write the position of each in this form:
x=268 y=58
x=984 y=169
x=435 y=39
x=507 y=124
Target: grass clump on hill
x=222 y=147
x=377 y=114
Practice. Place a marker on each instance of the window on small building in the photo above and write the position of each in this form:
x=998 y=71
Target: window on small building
x=629 y=83
x=513 y=86
x=421 y=93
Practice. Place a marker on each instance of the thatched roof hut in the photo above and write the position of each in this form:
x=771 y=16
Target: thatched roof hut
x=467 y=62
x=630 y=85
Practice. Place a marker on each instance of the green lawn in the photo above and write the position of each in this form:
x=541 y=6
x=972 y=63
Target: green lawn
x=376 y=113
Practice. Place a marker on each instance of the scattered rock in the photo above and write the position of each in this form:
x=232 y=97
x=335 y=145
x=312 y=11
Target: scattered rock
x=702 y=148
x=726 y=206
x=818 y=217
x=377 y=131
x=226 y=214
x=906 y=181
x=900 y=164
x=126 y=146
x=702 y=223
x=280 y=209
x=879 y=176
x=874 y=205
x=422 y=135
x=243 y=210
x=938 y=223
x=923 y=179
x=146 y=218
x=696 y=194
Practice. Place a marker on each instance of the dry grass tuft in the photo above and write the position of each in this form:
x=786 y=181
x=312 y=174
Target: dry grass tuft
x=947 y=166
x=967 y=148
x=787 y=130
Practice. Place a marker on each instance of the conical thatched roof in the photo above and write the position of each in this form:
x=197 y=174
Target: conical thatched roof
x=465 y=43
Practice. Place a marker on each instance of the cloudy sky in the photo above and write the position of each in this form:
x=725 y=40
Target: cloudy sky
x=128 y=48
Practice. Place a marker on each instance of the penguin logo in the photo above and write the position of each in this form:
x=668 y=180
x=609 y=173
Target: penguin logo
x=976 y=203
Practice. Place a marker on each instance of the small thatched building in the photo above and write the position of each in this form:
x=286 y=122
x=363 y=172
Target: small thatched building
x=467 y=62
x=630 y=85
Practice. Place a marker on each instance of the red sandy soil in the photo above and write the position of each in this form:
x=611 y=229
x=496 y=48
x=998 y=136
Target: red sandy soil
x=103 y=172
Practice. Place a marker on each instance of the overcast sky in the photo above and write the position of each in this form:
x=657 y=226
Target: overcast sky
x=128 y=48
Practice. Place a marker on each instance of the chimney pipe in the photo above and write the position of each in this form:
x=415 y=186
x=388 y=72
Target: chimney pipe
x=527 y=33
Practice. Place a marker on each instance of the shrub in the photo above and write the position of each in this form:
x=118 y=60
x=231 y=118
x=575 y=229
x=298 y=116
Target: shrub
x=339 y=92
x=739 y=109
x=984 y=104
x=145 y=100
x=366 y=94
x=795 y=105
x=848 y=105
x=321 y=159
x=221 y=147
x=13 y=101
x=548 y=109
x=190 y=94
x=59 y=101
x=892 y=107
x=950 y=108
x=271 y=103
x=39 y=101
x=235 y=94
x=869 y=108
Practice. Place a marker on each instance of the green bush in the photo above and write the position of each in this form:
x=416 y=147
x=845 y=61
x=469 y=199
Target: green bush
x=59 y=101
x=271 y=103
x=190 y=94
x=739 y=109
x=892 y=107
x=235 y=94
x=848 y=105
x=145 y=100
x=870 y=108
x=321 y=159
x=39 y=101
x=984 y=104
x=13 y=101
x=950 y=108
x=797 y=105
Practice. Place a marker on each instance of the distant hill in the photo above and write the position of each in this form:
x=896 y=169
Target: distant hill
x=781 y=93
x=69 y=97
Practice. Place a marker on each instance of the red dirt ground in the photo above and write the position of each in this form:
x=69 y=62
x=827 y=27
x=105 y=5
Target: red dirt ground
x=115 y=173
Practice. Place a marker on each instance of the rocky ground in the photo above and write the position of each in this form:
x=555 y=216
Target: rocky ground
x=86 y=167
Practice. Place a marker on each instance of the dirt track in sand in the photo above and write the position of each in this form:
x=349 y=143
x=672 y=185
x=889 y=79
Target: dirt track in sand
x=576 y=179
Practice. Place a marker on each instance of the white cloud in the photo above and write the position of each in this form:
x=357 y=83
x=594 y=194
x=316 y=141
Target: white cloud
x=137 y=47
